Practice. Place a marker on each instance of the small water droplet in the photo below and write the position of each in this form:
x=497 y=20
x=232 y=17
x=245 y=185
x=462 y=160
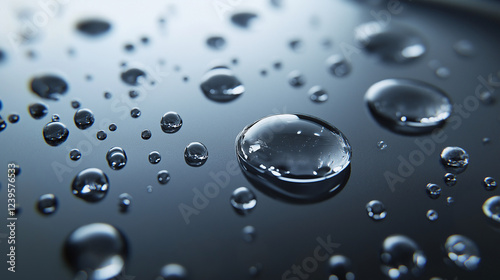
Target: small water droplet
x=117 y=158
x=99 y=249
x=376 y=210
x=455 y=158
x=129 y=47
x=243 y=200
x=462 y=251
x=464 y=48
x=55 y=133
x=163 y=177
x=75 y=154
x=90 y=185
x=277 y=65
x=249 y=234
x=216 y=42
x=449 y=200
x=432 y=215
x=149 y=189
x=450 y=179
x=340 y=268
x=38 y=110
x=255 y=270
x=243 y=20
x=296 y=45
x=338 y=66
x=402 y=258
x=93 y=27
x=195 y=154
x=146 y=134
x=56 y=118
x=3 y=124
x=13 y=118
x=317 y=94
x=133 y=94
x=145 y=40
x=296 y=79
x=112 y=127
x=171 y=122
x=487 y=97
x=84 y=118
x=101 y=135
x=491 y=208
x=489 y=183
x=173 y=271
x=486 y=140
x=75 y=104
x=154 y=157
x=131 y=76
x=219 y=84
x=433 y=190
x=381 y=145
x=135 y=113
x=47 y=204
x=108 y=95
x=408 y=106
x=125 y=200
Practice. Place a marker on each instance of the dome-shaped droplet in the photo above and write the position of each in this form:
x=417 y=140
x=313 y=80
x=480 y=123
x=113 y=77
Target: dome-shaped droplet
x=243 y=200
x=491 y=208
x=295 y=157
x=338 y=66
x=101 y=135
x=455 y=158
x=38 y=110
x=112 y=127
x=433 y=190
x=432 y=215
x=49 y=86
x=75 y=154
x=93 y=27
x=376 y=210
x=195 y=154
x=90 y=185
x=146 y=134
x=219 y=84
x=117 y=158
x=171 y=122
x=133 y=94
x=317 y=94
x=449 y=200
x=154 y=157
x=75 y=104
x=56 y=118
x=381 y=145
x=248 y=233
x=55 y=133
x=125 y=200
x=340 y=268
x=99 y=249
x=401 y=258
x=450 y=179
x=216 y=42
x=489 y=183
x=296 y=79
x=163 y=177
x=408 y=106
x=464 y=48
x=131 y=76
x=173 y=271
x=47 y=204
x=393 y=42
x=243 y=19
x=13 y=118
x=462 y=251
x=296 y=45
x=135 y=113
x=84 y=118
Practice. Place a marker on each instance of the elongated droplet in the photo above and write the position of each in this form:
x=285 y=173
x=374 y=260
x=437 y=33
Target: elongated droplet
x=93 y=27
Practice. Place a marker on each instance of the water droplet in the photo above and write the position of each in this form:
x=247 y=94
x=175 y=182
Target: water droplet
x=489 y=183
x=154 y=157
x=219 y=84
x=462 y=251
x=149 y=189
x=75 y=154
x=340 y=268
x=381 y=145
x=112 y=127
x=55 y=133
x=145 y=40
x=296 y=45
x=338 y=66
x=443 y=72
x=56 y=118
x=255 y=270
x=317 y=94
x=2 y=57
x=131 y=76
x=243 y=20
x=171 y=122
x=464 y=48
x=129 y=47
x=432 y=215
x=408 y=106
x=173 y=271
x=101 y=135
x=135 y=113
x=107 y=95
x=487 y=97
x=99 y=249
x=491 y=208
x=216 y=42
x=294 y=157
x=243 y=200
x=125 y=200
x=93 y=27
x=90 y=185
x=47 y=204
x=263 y=72
x=84 y=118
x=433 y=190
x=376 y=210
x=75 y=104
x=455 y=158
x=486 y=140
x=450 y=179
x=277 y=65
x=13 y=118
x=248 y=233
x=402 y=258
x=296 y=79
x=195 y=154
x=117 y=158
x=49 y=86
x=146 y=134
x=449 y=200
x=3 y=124
x=394 y=42
x=133 y=94
x=163 y=177
x=38 y=110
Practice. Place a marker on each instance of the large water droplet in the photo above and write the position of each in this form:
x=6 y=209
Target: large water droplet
x=154 y=157
x=93 y=27
x=171 y=122
x=47 y=204
x=401 y=258
x=131 y=76
x=243 y=20
x=195 y=154
x=408 y=106
x=117 y=158
x=38 y=110
x=489 y=183
x=376 y=210
x=243 y=200
x=216 y=42
x=49 y=86
x=173 y=271
x=394 y=42
x=90 y=185
x=294 y=157
x=317 y=94
x=219 y=84
x=55 y=133
x=433 y=190
x=163 y=177
x=340 y=268
x=455 y=159
x=462 y=251
x=99 y=249
x=491 y=208
x=84 y=118
x=338 y=66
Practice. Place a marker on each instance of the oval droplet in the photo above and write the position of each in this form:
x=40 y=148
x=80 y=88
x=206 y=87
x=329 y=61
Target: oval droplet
x=220 y=85
x=464 y=48
x=243 y=200
x=455 y=159
x=462 y=251
x=154 y=157
x=489 y=183
x=90 y=185
x=93 y=27
x=216 y=42
x=38 y=110
x=173 y=271
x=75 y=154
x=47 y=204
x=450 y=179
x=117 y=158
x=55 y=133
x=84 y=118
x=317 y=94
x=376 y=210
x=433 y=190
x=13 y=118
x=243 y=19
x=402 y=258
x=163 y=177
x=131 y=76
x=338 y=66
x=296 y=79
x=49 y=86
x=171 y=122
